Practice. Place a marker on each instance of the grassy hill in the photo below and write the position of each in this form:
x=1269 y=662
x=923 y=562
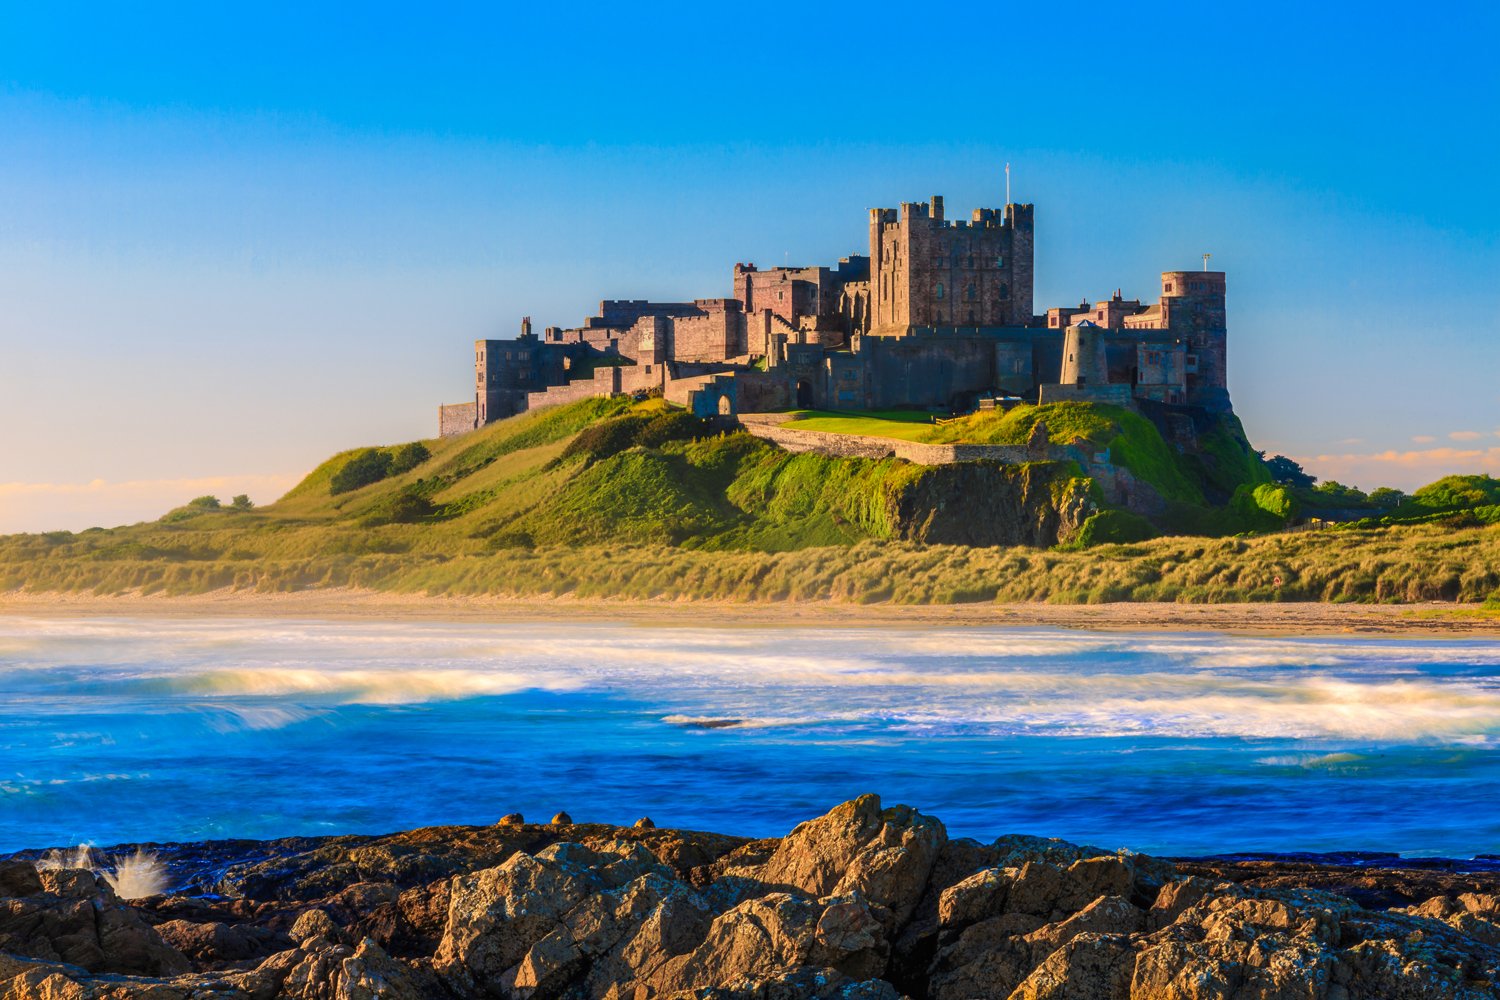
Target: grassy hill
x=609 y=498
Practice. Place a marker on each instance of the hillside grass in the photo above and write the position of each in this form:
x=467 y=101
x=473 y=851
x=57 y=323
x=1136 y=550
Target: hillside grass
x=612 y=499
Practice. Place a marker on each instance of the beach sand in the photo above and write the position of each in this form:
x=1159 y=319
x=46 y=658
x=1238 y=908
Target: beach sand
x=1280 y=619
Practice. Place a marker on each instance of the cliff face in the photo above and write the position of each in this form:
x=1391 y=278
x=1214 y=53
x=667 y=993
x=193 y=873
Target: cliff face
x=863 y=902
x=982 y=503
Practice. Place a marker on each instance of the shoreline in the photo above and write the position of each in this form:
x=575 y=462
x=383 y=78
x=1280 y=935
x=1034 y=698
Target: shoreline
x=1307 y=618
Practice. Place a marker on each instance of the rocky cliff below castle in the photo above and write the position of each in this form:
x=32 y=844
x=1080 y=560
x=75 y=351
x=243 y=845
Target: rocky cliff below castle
x=862 y=902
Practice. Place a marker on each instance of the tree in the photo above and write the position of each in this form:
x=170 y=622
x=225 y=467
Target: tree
x=1288 y=473
x=242 y=502
x=1387 y=498
x=205 y=502
x=1337 y=492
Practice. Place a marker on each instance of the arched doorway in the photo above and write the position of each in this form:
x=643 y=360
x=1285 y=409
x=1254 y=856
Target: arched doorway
x=804 y=394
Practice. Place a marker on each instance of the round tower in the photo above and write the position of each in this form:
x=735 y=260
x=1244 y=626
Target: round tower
x=1084 y=362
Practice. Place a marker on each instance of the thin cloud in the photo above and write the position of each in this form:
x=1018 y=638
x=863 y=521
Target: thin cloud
x=1405 y=470
x=1423 y=439
x=1465 y=436
x=75 y=506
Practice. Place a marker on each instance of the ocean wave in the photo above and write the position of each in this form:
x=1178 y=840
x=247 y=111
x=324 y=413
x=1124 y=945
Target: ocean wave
x=250 y=675
x=371 y=687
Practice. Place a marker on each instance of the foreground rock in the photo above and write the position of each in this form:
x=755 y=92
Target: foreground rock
x=863 y=902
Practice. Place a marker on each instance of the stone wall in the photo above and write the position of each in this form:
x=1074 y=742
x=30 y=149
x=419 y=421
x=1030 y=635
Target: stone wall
x=457 y=418
x=605 y=382
x=715 y=333
x=1117 y=395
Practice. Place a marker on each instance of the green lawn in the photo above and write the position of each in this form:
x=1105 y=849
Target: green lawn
x=906 y=425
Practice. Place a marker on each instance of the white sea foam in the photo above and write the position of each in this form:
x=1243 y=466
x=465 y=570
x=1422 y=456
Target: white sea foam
x=246 y=675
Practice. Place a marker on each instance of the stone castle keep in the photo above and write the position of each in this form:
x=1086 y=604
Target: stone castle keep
x=939 y=315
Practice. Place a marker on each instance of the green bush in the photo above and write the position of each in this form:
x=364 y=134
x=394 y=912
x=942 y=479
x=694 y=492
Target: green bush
x=369 y=466
x=648 y=430
x=1113 y=527
x=242 y=501
x=408 y=457
x=1267 y=507
x=205 y=503
x=1457 y=492
x=407 y=506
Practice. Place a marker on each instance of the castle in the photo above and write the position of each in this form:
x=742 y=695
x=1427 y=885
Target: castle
x=939 y=315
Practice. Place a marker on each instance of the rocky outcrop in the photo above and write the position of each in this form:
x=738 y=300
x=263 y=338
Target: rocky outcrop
x=74 y=917
x=863 y=902
x=984 y=503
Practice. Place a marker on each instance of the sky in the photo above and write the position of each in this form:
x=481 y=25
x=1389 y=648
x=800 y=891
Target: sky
x=235 y=239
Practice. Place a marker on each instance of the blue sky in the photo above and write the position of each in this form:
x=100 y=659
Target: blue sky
x=236 y=240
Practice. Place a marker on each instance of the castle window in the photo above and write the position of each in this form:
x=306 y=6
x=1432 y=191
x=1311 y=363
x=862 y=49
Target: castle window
x=1000 y=261
x=1004 y=290
x=940 y=289
x=1167 y=288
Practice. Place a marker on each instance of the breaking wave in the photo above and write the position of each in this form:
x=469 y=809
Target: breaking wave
x=249 y=675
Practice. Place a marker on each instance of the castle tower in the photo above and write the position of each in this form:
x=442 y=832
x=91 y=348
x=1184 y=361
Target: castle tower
x=1084 y=359
x=927 y=271
x=1193 y=310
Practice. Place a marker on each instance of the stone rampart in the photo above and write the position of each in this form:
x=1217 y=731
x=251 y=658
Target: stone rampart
x=456 y=418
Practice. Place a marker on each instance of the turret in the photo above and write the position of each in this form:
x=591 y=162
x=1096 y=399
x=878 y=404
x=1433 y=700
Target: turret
x=1084 y=361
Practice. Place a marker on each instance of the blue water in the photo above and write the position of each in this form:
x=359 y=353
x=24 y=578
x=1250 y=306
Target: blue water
x=129 y=729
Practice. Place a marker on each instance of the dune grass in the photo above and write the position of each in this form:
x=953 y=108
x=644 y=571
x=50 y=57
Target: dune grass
x=1389 y=565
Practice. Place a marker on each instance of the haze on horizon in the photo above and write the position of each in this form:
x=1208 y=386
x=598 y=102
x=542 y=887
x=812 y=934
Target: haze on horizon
x=235 y=242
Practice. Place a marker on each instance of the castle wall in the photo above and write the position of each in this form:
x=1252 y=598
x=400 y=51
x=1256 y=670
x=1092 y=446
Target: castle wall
x=764 y=392
x=457 y=418
x=1161 y=371
x=626 y=312
x=1119 y=395
x=715 y=333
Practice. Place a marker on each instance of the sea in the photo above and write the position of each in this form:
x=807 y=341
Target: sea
x=132 y=729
